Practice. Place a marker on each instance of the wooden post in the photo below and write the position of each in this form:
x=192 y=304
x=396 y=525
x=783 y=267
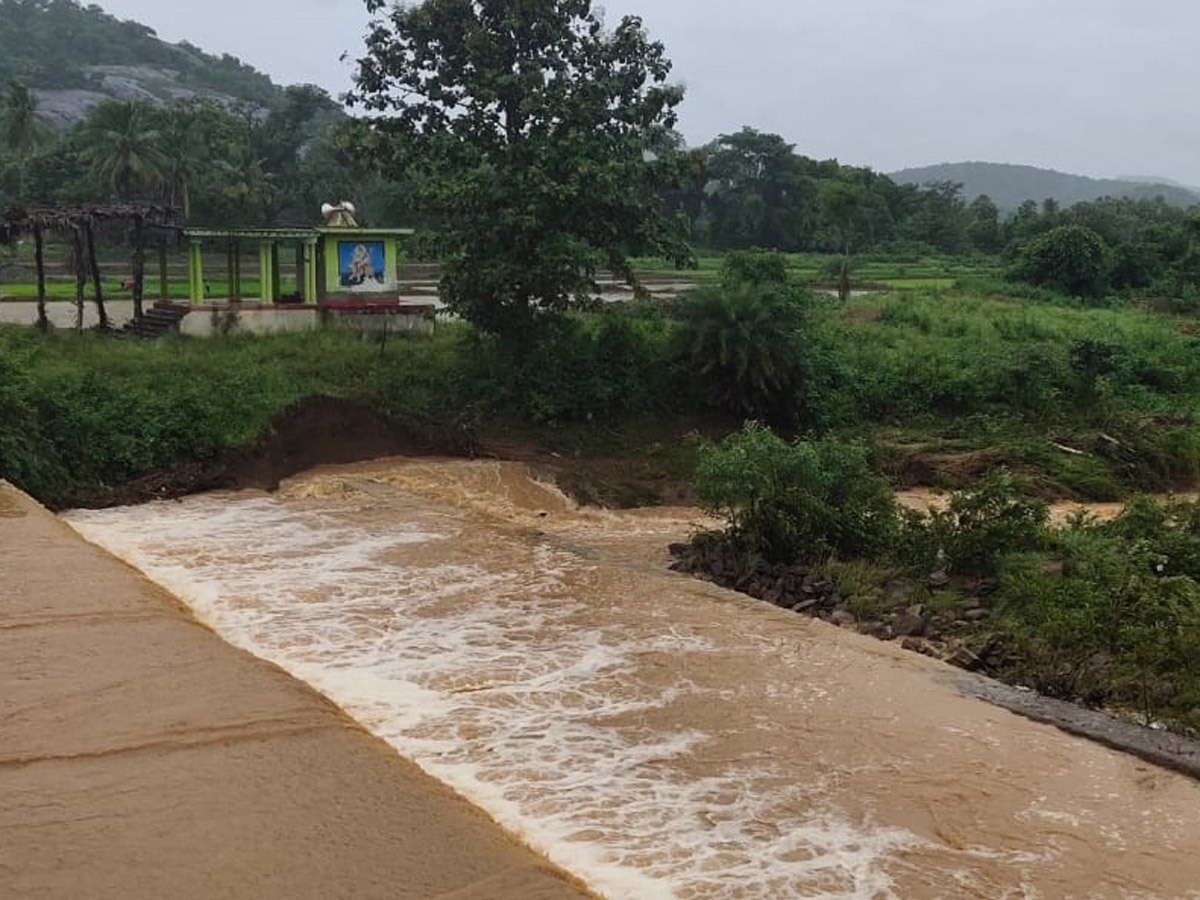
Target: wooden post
x=95 y=268
x=139 y=267
x=164 y=281
x=229 y=251
x=39 y=259
x=237 y=271
x=80 y=276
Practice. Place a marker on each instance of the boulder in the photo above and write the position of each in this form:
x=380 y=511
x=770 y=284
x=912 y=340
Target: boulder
x=911 y=623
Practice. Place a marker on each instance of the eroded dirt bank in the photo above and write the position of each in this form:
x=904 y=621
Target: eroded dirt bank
x=143 y=757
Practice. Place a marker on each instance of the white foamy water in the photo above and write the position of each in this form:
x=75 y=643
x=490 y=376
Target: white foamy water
x=644 y=733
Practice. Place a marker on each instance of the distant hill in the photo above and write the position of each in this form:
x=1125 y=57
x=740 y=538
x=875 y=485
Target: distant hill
x=1009 y=186
x=74 y=57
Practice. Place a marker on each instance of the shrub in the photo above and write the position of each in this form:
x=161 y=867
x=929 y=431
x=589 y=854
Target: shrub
x=754 y=267
x=978 y=528
x=742 y=344
x=1070 y=258
x=1113 y=626
x=801 y=501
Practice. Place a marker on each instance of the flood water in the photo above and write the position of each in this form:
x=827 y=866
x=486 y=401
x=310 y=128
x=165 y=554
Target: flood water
x=654 y=735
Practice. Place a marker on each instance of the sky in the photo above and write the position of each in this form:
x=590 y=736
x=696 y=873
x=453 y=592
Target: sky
x=1094 y=87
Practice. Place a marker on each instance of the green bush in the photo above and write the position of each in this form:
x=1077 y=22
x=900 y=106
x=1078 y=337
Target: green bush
x=976 y=531
x=580 y=368
x=802 y=501
x=1114 y=626
x=742 y=344
x=1071 y=258
x=762 y=267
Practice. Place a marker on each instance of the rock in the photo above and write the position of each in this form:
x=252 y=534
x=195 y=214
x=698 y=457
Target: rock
x=975 y=615
x=972 y=603
x=843 y=618
x=939 y=580
x=879 y=630
x=915 y=644
x=965 y=659
x=910 y=623
x=806 y=606
x=680 y=551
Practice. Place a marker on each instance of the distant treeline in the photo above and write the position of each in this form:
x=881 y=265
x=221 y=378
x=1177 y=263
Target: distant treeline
x=251 y=167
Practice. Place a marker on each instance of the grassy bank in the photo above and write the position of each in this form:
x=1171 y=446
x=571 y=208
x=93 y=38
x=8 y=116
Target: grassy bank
x=1092 y=404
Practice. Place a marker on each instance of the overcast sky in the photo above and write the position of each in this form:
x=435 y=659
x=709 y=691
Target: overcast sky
x=1097 y=87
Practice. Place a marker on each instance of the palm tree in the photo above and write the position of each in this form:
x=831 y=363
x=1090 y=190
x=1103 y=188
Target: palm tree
x=23 y=131
x=124 y=148
x=180 y=155
x=740 y=341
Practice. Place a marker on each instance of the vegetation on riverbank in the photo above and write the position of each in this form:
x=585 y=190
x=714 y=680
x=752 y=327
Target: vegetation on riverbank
x=1103 y=613
x=1091 y=404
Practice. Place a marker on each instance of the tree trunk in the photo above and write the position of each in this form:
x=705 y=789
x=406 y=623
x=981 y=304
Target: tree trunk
x=163 y=275
x=39 y=259
x=96 y=283
x=139 y=268
x=80 y=278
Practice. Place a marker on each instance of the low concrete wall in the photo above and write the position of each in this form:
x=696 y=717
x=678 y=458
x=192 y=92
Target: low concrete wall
x=208 y=321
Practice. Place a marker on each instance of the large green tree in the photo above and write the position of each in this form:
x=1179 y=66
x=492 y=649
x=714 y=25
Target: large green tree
x=532 y=128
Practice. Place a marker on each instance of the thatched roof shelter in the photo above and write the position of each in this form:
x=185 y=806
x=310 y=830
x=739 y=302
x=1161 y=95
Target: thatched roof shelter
x=20 y=222
x=150 y=224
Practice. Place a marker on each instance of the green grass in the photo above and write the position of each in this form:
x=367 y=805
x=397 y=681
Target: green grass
x=808 y=268
x=63 y=290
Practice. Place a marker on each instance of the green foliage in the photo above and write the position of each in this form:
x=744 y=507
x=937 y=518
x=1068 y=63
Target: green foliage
x=1114 y=626
x=1071 y=258
x=977 y=529
x=754 y=267
x=802 y=501
x=532 y=127
x=123 y=147
x=742 y=342
x=580 y=368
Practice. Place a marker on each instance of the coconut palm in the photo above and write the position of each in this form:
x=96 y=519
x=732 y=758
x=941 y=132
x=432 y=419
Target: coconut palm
x=123 y=147
x=23 y=130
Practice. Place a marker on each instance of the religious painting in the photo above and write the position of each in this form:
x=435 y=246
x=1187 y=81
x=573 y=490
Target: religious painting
x=362 y=265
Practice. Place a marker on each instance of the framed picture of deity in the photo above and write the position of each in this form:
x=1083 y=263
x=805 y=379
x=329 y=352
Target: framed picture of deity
x=362 y=264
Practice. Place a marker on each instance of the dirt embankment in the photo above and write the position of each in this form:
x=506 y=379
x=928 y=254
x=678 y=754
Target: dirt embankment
x=331 y=431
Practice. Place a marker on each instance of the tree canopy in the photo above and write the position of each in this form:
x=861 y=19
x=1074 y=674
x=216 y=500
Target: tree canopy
x=533 y=129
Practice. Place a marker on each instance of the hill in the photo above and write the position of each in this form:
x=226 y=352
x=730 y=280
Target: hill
x=74 y=57
x=1009 y=186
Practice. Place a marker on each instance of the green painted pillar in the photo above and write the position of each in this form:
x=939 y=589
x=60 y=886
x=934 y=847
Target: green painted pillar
x=266 y=268
x=195 y=273
x=237 y=271
x=309 y=279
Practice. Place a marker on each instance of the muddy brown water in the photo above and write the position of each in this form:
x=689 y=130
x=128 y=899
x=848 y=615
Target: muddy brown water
x=654 y=735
